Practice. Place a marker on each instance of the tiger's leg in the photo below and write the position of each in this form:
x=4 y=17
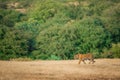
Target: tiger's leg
x=89 y=61
x=92 y=60
x=79 y=61
x=84 y=61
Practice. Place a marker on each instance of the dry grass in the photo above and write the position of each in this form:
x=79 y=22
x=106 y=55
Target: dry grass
x=103 y=69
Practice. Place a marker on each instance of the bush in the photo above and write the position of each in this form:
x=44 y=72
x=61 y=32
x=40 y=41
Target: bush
x=80 y=36
x=115 y=50
x=54 y=57
x=21 y=59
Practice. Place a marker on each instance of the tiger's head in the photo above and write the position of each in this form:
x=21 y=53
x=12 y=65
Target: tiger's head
x=76 y=56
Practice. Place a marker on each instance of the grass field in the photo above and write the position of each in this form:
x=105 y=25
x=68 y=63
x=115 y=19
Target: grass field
x=103 y=69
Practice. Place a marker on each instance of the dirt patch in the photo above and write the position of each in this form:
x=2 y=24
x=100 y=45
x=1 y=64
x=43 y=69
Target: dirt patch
x=103 y=69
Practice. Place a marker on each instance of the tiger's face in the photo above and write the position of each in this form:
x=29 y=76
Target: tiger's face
x=76 y=56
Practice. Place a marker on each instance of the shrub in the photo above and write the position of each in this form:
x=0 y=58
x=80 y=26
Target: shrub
x=115 y=50
x=54 y=57
x=21 y=59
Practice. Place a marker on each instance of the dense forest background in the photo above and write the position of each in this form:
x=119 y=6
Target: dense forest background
x=58 y=29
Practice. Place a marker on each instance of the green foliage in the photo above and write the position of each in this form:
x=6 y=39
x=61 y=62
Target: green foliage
x=11 y=46
x=37 y=55
x=98 y=55
x=112 y=21
x=54 y=57
x=74 y=12
x=9 y=17
x=21 y=59
x=82 y=36
x=43 y=10
x=30 y=30
x=58 y=29
x=115 y=50
x=93 y=36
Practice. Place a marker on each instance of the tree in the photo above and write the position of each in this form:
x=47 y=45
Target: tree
x=80 y=36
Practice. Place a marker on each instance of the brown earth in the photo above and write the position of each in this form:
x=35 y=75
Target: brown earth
x=103 y=69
